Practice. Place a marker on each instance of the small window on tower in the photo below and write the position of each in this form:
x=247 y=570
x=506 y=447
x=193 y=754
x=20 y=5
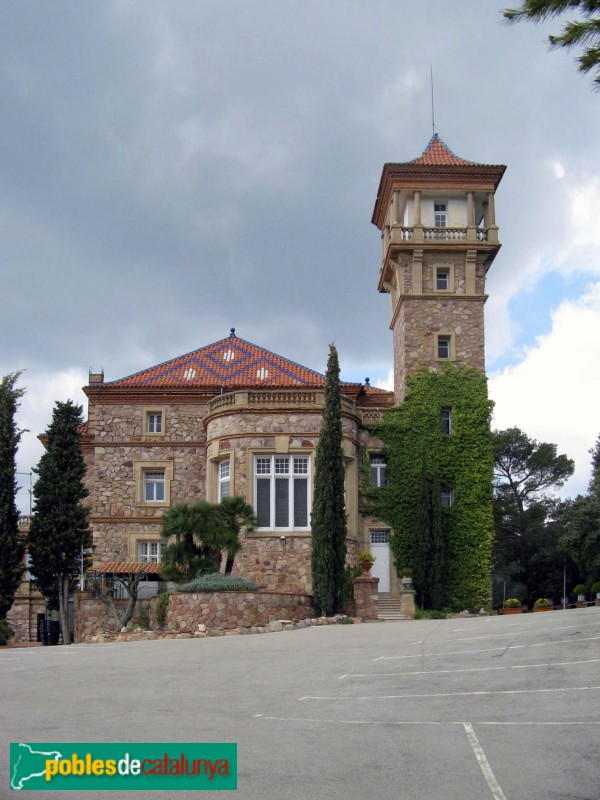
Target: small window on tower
x=440 y=210
x=446 y=497
x=446 y=415
x=443 y=347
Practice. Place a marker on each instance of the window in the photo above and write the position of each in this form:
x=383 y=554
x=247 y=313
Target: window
x=154 y=422
x=446 y=498
x=224 y=480
x=150 y=552
x=380 y=537
x=442 y=280
x=378 y=472
x=154 y=486
x=153 y=482
x=443 y=346
x=282 y=491
x=440 y=213
x=446 y=417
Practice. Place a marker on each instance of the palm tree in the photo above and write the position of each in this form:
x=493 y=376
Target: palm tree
x=236 y=514
x=198 y=536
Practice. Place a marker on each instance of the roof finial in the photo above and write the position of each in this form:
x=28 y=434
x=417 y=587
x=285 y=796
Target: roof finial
x=367 y=381
x=232 y=331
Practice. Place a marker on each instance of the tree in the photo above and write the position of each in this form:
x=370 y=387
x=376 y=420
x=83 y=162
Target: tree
x=580 y=520
x=11 y=547
x=328 y=518
x=197 y=535
x=59 y=526
x=527 y=552
x=235 y=513
x=584 y=32
x=130 y=581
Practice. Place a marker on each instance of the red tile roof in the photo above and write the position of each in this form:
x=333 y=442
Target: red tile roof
x=121 y=567
x=229 y=363
x=437 y=153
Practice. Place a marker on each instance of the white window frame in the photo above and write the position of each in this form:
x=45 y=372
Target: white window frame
x=448 y=272
x=223 y=479
x=153 y=552
x=267 y=466
x=155 y=479
x=379 y=465
x=440 y=215
x=151 y=416
x=140 y=470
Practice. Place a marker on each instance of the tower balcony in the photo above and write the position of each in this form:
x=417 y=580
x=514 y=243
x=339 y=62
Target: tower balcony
x=420 y=234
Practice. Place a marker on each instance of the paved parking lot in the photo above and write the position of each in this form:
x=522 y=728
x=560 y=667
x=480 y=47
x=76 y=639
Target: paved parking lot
x=461 y=709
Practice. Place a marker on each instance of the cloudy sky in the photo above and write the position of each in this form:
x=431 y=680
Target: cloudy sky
x=171 y=169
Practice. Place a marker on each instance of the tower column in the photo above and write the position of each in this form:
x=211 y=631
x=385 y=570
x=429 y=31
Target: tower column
x=395 y=208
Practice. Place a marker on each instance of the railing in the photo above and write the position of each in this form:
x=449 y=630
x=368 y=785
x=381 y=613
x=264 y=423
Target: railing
x=223 y=401
x=281 y=398
x=371 y=415
x=406 y=234
x=445 y=234
x=275 y=399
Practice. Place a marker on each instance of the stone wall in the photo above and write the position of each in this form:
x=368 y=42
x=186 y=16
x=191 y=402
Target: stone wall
x=274 y=564
x=214 y=610
x=91 y=616
x=229 y=610
x=23 y=615
x=365 y=597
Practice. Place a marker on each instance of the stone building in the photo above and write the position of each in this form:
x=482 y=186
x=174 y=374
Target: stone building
x=228 y=418
x=234 y=418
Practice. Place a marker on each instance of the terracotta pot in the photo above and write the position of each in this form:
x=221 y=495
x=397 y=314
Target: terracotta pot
x=544 y=608
x=365 y=566
x=512 y=611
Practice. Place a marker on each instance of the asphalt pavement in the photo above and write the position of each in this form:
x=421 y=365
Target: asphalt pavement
x=460 y=709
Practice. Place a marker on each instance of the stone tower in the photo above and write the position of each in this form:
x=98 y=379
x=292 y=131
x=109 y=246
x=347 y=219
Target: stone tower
x=439 y=235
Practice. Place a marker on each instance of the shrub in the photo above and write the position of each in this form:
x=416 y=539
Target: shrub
x=579 y=588
x=405 y=572
x=424 y=614
x=160 y=609
x=512 y=602
x=365 y=557
x=5 y=631
x=595 y=587
x=352 y=571
x=542 y=602
x=217 y=582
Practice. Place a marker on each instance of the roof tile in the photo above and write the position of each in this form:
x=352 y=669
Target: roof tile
x=437 y=153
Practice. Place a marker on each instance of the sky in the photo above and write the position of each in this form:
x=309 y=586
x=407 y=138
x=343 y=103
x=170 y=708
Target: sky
x=170 y=170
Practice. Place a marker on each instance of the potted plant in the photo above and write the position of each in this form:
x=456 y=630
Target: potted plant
x=365 y=560
x=543 y=604
x=579 y=590
x=512 y=606
x=596 y=591
x=405 y=575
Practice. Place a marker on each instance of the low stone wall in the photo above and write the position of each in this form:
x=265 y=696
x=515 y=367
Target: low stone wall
x=91 y=616
x=229 y=610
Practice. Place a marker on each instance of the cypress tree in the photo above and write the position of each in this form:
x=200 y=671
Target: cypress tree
x=328 y=519
x=11 y=547
x=59 y=527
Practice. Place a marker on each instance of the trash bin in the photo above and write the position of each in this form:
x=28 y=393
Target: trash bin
x=53 y=631
x=43 y=631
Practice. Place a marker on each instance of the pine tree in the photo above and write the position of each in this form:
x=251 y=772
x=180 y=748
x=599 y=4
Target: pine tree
x=59 y=527
x=328 y=519
x=584 y=32
x=11 y=547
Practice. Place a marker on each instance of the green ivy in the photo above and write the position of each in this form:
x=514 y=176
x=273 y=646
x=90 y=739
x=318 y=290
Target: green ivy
x=462 y=461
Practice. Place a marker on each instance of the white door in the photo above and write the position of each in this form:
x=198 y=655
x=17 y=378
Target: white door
x=380 y=548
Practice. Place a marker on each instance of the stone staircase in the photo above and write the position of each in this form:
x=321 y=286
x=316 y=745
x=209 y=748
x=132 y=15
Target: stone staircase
x=389 y=607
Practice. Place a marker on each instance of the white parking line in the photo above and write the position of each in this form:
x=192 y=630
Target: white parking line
x=466 y=669
x=530 y=624
x=487 y=649
x=449 y=694
x=397 y=723
x=489 y=776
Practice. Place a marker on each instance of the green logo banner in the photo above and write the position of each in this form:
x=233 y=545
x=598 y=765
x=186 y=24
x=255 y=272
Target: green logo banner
x=123 y=766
